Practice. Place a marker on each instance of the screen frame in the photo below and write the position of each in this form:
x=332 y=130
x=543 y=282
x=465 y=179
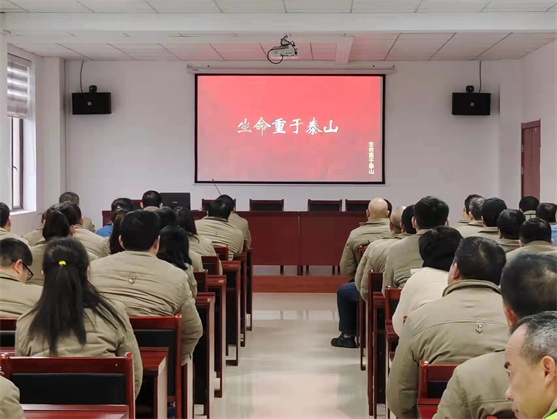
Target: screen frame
x=245 y=182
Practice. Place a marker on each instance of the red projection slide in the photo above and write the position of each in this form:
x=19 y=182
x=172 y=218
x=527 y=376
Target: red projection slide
x=289 y=129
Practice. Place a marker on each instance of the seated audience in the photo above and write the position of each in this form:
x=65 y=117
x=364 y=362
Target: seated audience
x=93 y=243
x=200 y=245
x=167 y=217
x=71 y=319
x=145 y=284
x=528 y=205
x=532 y=366
x=535 y=237
x=491 y=209
x=374 y=257
x=114 y=240
x=6 y=225
x=465 y=323
x=437 y=249
x=509 y=223
x=74 y=199
x=9 y=400
x=174 y=249
x=118 y=204
x=548 y=212
x=389 y=208
x=36 y=236
x=376 y=227
x=404 y=256
x=477 y=387
x=151 y=201
x=216 y=228
x=237 y=221
x=466 y=215
x=475 y=225
x=16 y=296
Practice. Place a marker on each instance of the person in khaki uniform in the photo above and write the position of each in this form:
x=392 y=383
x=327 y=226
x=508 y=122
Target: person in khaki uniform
x=535 y=237
x=6 y=225
x=466 y=214
x=9 y=400
x=216 y=228
x=477 y=387
x=509 y=224
x=404 y=256
x=475 y=223
x=93 y=243
x=531 y=362
x=465 y=323
x=151 y=201
x=90 y=326
x=16 y=297
x=34 y=237
x=74 y=199
x=529 y=205
x=491 y=209
x=146 y=285
x=237 y=221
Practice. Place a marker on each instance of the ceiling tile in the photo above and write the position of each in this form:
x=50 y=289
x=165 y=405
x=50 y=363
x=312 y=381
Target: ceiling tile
x=385 y=6
x=7 y=7
x=468 y=46
x=324 y=52
x=320 y=6
x=519 y=5
x=118 y=6
x=184 y=6
x=250 y=6
x=372 y=47
x=146 y=51
x=48 y=50
x=451 y=6
x=240 y=52
x=304 y=50
x=517 y=45
x=51 y=6
x=98 y=51
x=194 y=52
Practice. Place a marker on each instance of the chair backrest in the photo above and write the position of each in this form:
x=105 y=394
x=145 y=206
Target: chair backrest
x=163 y=332
x=433 y=380
x=211 y=264
x=222 y=252
x=7 y=332
x=376 y=281
x=266 y=205
x=316 y=205
x=136 y=204
x=392 y=297
x=201 y=278
x=74 y=381
x=356 y=206
x=206 y=202
x=361 y=250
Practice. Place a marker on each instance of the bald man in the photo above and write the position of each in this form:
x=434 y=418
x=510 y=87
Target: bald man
x=375 y=228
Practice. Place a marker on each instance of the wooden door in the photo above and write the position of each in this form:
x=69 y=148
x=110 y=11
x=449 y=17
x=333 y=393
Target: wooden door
x=531 y=160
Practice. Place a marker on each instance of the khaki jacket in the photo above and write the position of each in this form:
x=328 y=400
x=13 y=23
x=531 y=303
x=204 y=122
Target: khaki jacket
x=401 y=259
x=149 y=286
x=374 y=260
x=9 y=400
x=102 y=340
x=34 y=237
x=221 y=233
x=88 y=224
x=202 y=246
x=242 y=225
x=367 y=233
x=508 y=245
x=477 y=389
x=5 y=234
x=16 y=297
x=471 y=229
x=94 y=244
x=552 y=411
x=539 y=247
x=196 y=261
x=489 y=233
x=530 y=214
x=467 y=322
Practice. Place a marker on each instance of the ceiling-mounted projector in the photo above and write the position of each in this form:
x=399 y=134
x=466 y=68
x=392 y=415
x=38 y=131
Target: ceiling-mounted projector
x=286 y=49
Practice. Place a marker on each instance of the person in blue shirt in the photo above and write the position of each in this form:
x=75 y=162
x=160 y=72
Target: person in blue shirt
x=547 y=212
x=117 y=204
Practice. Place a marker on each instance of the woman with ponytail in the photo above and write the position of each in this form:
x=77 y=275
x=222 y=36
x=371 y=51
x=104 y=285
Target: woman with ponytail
x=71 y=318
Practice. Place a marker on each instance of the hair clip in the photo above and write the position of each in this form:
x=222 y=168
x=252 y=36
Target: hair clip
x=62 y=263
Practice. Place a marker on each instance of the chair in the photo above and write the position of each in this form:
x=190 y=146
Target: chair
x=217 y=285
x=233 y=271
x=206 y=202
x=222 y=252
x=361 y=330
x=201 y=278
x=355 y=206
x=7 y=332
x=266 y=205
x=360 y=253
x=204 y=353
x=164 y=331
x=433 y=381
x=107 y=380
x=376 y=350
x=243 y=259
x=211 y=264
x=392 y=298
x=316 y=205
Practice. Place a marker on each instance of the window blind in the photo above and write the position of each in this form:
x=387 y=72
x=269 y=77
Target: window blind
x=18 y=86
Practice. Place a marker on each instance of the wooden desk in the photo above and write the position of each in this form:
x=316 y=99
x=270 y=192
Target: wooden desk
x=217 y=285
x=232 y=271
x=427 y=411
x=67 y=411
x=203 y=355
x=376 y=374
x=188 y=406
x=243 y=259
x=155 y=377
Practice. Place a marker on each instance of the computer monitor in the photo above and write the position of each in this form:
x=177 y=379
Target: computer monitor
x=176 y=199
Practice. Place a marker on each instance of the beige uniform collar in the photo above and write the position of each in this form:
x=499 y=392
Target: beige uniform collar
x=380 y=221
x=401 y=235
x=422 y=231
x=136 y=253
x=3 y=230
x=471 y=283
x=216 y=219
x=552 y=409
x=5 y=275
x=477 y=223
x=489 y=230
x=540 y=243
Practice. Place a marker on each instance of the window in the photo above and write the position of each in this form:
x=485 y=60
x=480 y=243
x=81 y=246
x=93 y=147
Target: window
x=16 y=135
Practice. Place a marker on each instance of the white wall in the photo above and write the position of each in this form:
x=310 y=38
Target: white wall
x=148 y=141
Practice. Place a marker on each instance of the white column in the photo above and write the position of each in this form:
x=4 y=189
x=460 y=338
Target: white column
x=5 y=172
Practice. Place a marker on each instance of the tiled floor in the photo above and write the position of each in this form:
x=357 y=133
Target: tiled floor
x=289 y=369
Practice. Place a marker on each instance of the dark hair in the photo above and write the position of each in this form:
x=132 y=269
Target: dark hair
x=547 y=211
x=491 y=209
x=174 y=247
x=219 y=208
x=4 y=214
x=12 y=250
x=66 y=294
x=431 y=212
x=476 y=205
x=121 y=203
x=113 y=241
x=468 y=200
x=438 y=247
x=509 y=223
x=406 y=220
x=529 y=203
x=529 y=284
x=167 y=217
x=56 y=223
x=69 y=197
x=389 y=206
x=480 y=258
x=151 y=199
x=139 y=230
x=535 y=230
x=228 y=201
x=185 y=220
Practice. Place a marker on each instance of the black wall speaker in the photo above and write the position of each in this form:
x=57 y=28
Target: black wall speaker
x=91 y=103
x=471 y=103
